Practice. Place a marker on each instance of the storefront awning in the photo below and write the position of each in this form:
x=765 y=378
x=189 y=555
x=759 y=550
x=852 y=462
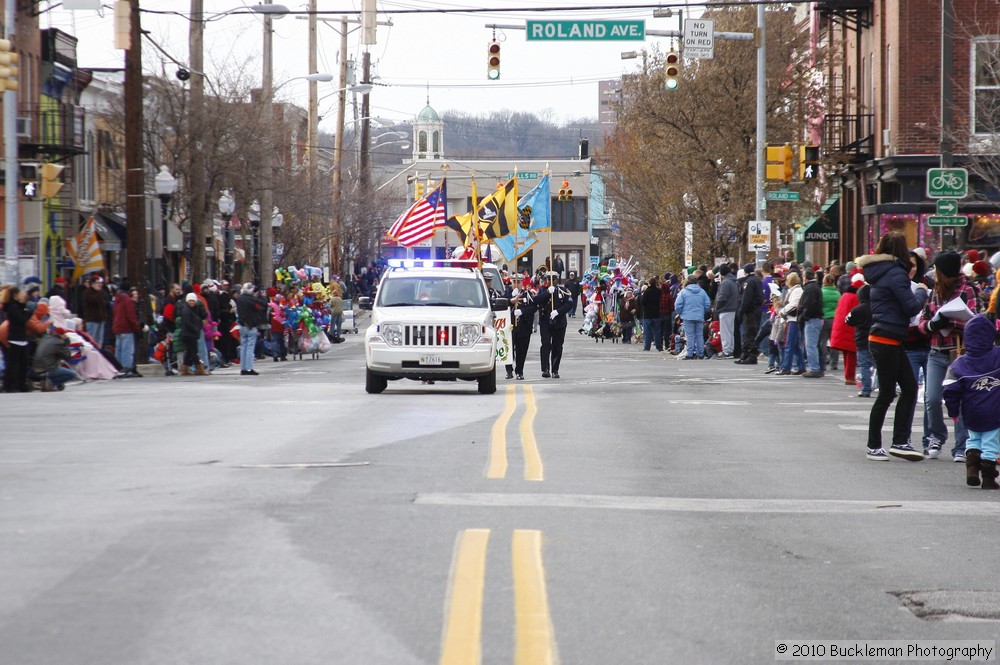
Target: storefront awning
x=824 y=227
x=110 y=230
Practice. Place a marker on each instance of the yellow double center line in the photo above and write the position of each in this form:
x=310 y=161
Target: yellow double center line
x=534 y=638
x=533 y=468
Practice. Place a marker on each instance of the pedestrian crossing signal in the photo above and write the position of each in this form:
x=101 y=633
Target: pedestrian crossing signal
x=565 y=193
x=808 y=162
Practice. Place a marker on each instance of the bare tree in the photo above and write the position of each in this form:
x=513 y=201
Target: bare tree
x=688 y=155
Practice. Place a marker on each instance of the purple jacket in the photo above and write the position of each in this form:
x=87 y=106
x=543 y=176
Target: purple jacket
x=972 y=385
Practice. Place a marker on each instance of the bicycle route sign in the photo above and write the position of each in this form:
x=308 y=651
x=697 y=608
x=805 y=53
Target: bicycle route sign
x=947 y=183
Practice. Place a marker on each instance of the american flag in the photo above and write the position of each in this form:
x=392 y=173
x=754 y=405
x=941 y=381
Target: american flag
x=421 y=219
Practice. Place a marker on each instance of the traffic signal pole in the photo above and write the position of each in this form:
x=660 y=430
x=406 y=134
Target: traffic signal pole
x=761 y=202
x=11 y=222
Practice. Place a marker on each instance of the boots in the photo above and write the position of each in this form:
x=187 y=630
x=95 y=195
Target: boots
x=988 y=468
x=972 y=462
x=201 y=371
x=185 y=370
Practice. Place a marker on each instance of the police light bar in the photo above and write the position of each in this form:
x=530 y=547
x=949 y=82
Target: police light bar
x=433 y=263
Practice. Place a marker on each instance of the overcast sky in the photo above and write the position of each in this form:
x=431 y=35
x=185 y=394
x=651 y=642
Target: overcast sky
x=445 y=51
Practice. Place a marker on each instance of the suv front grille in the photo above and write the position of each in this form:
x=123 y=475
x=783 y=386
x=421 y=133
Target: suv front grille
x=432 y=335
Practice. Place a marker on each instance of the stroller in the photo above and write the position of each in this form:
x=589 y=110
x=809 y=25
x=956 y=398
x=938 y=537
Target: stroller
x=164 y=354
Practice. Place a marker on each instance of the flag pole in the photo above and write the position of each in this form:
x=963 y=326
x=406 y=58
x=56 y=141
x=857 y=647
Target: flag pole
x=445 y=167
x=475 y=223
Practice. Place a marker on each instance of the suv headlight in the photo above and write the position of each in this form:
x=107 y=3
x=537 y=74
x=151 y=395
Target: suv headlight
x=392 y=333
x=469 y=334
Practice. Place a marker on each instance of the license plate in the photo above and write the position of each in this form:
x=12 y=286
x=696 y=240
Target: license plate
x=430 y=359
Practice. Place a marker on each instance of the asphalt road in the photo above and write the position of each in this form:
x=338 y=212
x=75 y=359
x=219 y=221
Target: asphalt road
x=638 y=510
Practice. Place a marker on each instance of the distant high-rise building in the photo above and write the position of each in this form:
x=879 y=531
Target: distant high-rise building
x=609 y=94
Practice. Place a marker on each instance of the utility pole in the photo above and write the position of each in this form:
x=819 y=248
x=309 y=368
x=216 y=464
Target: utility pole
x=264 y=279
x=338 y=153
x=135 y=194
x=196 y=124
x=363 y=174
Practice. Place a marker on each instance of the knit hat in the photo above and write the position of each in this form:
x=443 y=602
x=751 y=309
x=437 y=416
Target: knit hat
x=921 y=252
x=972 y=255
x=857 y=279
x=948 y=263
x=271 y=292
x=749 y=268
x=995 y=261
x=191 y=297
x=981 y=268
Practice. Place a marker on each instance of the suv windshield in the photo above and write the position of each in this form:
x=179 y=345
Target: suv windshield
x=418 y=291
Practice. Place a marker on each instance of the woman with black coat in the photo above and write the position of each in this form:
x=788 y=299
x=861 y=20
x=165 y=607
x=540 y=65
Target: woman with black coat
x=15 y=347
x=894 y=302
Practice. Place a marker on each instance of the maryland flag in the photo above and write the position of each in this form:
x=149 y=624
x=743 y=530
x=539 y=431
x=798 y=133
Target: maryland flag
x=462 y=224
x=498 y=211
x=85 y=251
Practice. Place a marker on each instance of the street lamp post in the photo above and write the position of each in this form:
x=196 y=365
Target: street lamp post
x=164 y=183
x=227 y=205
x=253 y=214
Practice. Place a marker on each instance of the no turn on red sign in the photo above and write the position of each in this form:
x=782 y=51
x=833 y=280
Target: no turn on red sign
x=699 y=38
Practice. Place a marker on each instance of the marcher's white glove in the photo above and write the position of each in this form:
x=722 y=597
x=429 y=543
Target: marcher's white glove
x=553 y=315
x=515 y=293
x=517 y=312
x=145 y=329
x=552 y=289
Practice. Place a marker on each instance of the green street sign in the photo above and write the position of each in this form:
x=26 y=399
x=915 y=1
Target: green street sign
x=947 y=183
x=622 y=31
x=523 y=175
x=947 y=220
x=782 y=195
x=947 y=207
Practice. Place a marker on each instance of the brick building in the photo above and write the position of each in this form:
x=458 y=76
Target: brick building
x=884 y=126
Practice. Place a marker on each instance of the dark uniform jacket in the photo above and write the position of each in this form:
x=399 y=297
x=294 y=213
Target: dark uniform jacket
x=563 y=301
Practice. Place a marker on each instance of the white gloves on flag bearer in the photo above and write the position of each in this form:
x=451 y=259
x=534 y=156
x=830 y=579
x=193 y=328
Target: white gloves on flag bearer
x=517 y=312
x=552 y=289
x=553 y=315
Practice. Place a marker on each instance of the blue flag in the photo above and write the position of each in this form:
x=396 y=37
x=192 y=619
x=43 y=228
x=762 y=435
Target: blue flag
x=534 y=214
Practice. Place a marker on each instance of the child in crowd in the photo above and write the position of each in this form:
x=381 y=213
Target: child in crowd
x=972 y=390
x=860 y=317
x=776 y=336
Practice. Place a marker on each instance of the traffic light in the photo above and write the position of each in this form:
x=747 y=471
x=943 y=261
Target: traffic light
x=565 y=193
x=779 y=163
x=418 y=190
x=50 y=184
x=8 y=66
x=493 y=60
x=672 y=70
x=808 y=162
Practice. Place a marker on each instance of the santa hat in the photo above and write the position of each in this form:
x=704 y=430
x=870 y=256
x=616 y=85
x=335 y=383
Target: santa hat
x=857 y=278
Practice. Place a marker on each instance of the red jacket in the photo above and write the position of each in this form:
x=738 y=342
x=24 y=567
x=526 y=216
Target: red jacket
x=124 y=318
x=842 y=335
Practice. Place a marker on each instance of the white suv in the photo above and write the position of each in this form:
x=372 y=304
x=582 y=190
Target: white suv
x=432 y=321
